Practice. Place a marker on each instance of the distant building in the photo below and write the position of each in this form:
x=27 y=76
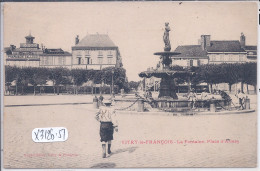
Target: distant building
x=95 y=51
x=215 y=52
x=27 y=55
x=250 y=50
x=191 y=55
x=31 y=55
x=52 y=58
x=227 y=51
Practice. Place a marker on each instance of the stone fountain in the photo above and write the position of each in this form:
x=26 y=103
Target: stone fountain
x=167 y=86
x=167 y=99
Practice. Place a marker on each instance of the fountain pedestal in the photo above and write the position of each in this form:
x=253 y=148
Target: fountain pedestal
x=167 y=88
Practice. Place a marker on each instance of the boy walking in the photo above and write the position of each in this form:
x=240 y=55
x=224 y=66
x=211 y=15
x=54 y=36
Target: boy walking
x=108 y=122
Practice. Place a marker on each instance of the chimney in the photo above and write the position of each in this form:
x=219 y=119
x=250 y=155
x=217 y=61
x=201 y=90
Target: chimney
x=242 y=40
x=12 y=47
x=205 y=41
x=77 y=40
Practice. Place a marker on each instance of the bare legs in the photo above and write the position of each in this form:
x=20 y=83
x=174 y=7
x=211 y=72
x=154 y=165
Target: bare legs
x=109 y=147
x=104 y=148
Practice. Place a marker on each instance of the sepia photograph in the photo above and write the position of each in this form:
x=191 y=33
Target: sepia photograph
x=129 y=84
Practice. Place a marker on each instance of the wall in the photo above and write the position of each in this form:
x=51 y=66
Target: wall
x=184 y=62
x=216 y=58
x=108 y=57
x=23 y=63
x=55 y=61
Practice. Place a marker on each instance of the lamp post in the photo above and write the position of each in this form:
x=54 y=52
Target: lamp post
x=113 y=82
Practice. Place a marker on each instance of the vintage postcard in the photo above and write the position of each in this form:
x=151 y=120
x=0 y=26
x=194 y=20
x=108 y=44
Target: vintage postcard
x=130 y=84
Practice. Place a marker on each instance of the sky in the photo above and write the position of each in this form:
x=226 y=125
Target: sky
x=135 y=27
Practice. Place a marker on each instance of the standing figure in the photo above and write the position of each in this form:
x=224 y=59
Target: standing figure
x=108 y=122
x=192 y=98
x=241 y=97
x=100 y=100
x=166 y=37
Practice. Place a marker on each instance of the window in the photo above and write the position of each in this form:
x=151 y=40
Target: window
x=191 y=62
x=213 y=57
x=231 y=57
x=100 y=60
x=109 y=54
x=47 y=60
x=42 y=60
x=222 y=58
x=109 y=60
x=100 y=54
x=60 y=60
x=87 y=59
x=198 y=62
x=241 y=57
x=188 y=62
x=78 y=53
x=87 y=52
x=79 y=60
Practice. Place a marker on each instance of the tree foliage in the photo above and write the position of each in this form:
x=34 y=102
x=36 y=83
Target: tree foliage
x=63 y=76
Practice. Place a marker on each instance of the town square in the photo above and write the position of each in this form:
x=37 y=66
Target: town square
x=120 y=87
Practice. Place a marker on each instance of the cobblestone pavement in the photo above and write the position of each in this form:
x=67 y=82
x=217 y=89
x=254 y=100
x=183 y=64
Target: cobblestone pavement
x=133 y=145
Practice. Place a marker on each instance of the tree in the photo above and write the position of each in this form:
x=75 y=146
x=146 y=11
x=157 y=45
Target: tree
x=231 y=74
x=57 y=76
x=78 y=77
x=10 y=75
x=249 y=74
x=39 y=76
x=23 y=77
x=134 y=84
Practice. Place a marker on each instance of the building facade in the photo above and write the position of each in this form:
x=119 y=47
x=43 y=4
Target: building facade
x=27 y=55
x=209 y=52
x=227 y=51
x=191 y=55
x=215 y=52
x=52 y=58
x=31 y=55
x=95 y=51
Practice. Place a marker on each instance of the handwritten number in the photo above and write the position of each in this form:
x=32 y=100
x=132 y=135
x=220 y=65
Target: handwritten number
x=47 y=135
x=63 y=133
x=36 y=135
x=42 y=131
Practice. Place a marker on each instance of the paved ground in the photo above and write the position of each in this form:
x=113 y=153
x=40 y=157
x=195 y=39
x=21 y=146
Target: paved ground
x=83 y=149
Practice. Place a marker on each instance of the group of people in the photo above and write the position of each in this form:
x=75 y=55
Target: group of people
x=108 y=123
x=216 y=94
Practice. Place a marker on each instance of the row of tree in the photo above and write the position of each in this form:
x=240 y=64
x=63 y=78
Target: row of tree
x=230 y=73
x=210 y=73
x=38 y=77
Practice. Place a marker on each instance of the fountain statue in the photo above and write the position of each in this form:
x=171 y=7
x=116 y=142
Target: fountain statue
x=166 y=38
x=167 y=86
